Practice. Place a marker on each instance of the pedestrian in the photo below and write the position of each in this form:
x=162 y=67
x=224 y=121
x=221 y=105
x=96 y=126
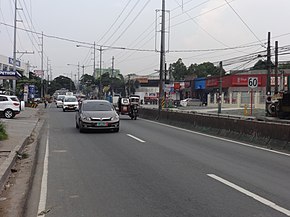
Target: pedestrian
x=45 y=103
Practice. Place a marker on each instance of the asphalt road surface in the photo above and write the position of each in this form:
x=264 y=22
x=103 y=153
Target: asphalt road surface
x=153 y=170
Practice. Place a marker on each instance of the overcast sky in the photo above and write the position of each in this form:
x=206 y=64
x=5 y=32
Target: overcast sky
x=195 y=26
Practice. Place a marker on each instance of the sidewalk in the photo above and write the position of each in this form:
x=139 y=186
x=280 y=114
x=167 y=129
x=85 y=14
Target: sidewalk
x=19 y=130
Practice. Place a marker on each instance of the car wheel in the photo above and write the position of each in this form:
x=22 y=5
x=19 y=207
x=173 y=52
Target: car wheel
x=81 y=129
x=63 y=110
x=116 y=130
x=8 y=113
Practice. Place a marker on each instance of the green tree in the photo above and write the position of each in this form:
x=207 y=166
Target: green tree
x=178 y=70
x=204 y=69
x=262 y=64
x=61 y=82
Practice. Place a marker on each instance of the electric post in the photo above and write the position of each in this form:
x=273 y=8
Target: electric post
x=100 y=86
x=268 y=84
x=276 y=67
x=220 y=89
x=78 y=83
x=14 y=49
x=94 y=65
x=42 y=71
x=268 y=88
x=162 y=59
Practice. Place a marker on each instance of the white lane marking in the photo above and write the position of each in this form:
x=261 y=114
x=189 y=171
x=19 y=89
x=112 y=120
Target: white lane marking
x=252 y=195
x=219 y=138
x=43 y=191
x=59 y=151
x=134 y=137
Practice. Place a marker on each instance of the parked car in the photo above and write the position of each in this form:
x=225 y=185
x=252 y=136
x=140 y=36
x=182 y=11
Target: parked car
x=9 y=106
x=70 y=103
x=191 y=102
x=59 y=101
x=97 y=114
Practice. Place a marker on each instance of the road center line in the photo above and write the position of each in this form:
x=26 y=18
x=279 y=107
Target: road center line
x=134 y=137
x=250 y=194
x=43 y=190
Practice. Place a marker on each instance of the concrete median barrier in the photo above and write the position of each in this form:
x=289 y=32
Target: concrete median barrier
x=262 y=133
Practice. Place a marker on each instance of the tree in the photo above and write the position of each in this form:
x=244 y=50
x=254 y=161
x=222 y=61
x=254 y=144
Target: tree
x=87 y=83
x=204 y=69
x=262 y=64
x=178 y=70
x=61 y=82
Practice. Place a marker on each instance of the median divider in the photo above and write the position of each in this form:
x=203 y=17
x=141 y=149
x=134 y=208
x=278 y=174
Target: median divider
x=271 y=135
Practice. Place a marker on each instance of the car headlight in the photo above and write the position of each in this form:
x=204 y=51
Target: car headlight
x=115 y=118
x=85 y=118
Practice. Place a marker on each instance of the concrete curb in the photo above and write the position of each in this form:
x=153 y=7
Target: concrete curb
x=5 y=167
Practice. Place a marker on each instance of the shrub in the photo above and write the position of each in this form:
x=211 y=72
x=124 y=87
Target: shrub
x=3 y=133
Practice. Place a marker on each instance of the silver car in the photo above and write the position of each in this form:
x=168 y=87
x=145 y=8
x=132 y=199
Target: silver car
x=97 y=115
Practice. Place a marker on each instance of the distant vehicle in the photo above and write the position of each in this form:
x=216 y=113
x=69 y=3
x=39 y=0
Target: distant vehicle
x=70 y=103
x=97 y=115
x=9 y=106
x=191 y=102
x=59 y=101
x=69 y=93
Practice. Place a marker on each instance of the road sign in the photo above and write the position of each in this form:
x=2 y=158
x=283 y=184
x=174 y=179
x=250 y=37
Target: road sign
x=252 y=82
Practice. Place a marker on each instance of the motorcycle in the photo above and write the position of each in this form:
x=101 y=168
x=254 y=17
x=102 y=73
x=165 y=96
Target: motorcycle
x=134 y=104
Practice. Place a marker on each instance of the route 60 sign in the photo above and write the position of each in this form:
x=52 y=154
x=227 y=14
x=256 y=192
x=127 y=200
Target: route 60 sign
x=252 y=82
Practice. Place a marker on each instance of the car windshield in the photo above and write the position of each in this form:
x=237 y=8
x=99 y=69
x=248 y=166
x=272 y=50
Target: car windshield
x=97 y=106
x=70 y=99
x=60 y=97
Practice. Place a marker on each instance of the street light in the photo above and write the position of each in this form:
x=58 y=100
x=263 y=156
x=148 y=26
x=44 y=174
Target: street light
x=94 y=48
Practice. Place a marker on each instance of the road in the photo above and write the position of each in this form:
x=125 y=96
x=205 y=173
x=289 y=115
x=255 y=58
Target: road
x=149 y=169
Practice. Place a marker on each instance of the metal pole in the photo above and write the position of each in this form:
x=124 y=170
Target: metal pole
x=101 y=50
x=14 y=50
x=162 y=58
x=220 y=89
x=276 y=67
x=268 y=88
x=78 y=83
x=42 y=71
x=94 y=60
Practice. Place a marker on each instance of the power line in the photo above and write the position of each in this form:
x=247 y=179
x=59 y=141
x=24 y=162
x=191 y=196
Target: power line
x=244 y=23
x=123 y=21
x=115 y=21
x=135 y=18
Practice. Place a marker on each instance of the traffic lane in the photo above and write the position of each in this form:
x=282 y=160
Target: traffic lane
x=131 y=178
x=259 y=171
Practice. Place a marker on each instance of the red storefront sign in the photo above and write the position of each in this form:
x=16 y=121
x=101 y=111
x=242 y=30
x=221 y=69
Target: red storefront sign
x=242 y=80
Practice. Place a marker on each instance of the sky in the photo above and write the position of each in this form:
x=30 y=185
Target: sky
x=197 y=31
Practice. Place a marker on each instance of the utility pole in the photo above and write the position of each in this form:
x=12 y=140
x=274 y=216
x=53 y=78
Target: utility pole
x=78 y=83
x=268 y=88
x=14 y=50
x=42 y=71
x=83 y=66
x=113 y=60
x=94 y=60
x=220 y=89
x=100 y=86
x=162 y=59
x=276 y=67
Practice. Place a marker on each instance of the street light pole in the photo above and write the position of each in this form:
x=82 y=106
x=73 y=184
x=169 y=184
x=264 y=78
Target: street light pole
x=14 y=49
x=100 y=87
x=94 y=59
